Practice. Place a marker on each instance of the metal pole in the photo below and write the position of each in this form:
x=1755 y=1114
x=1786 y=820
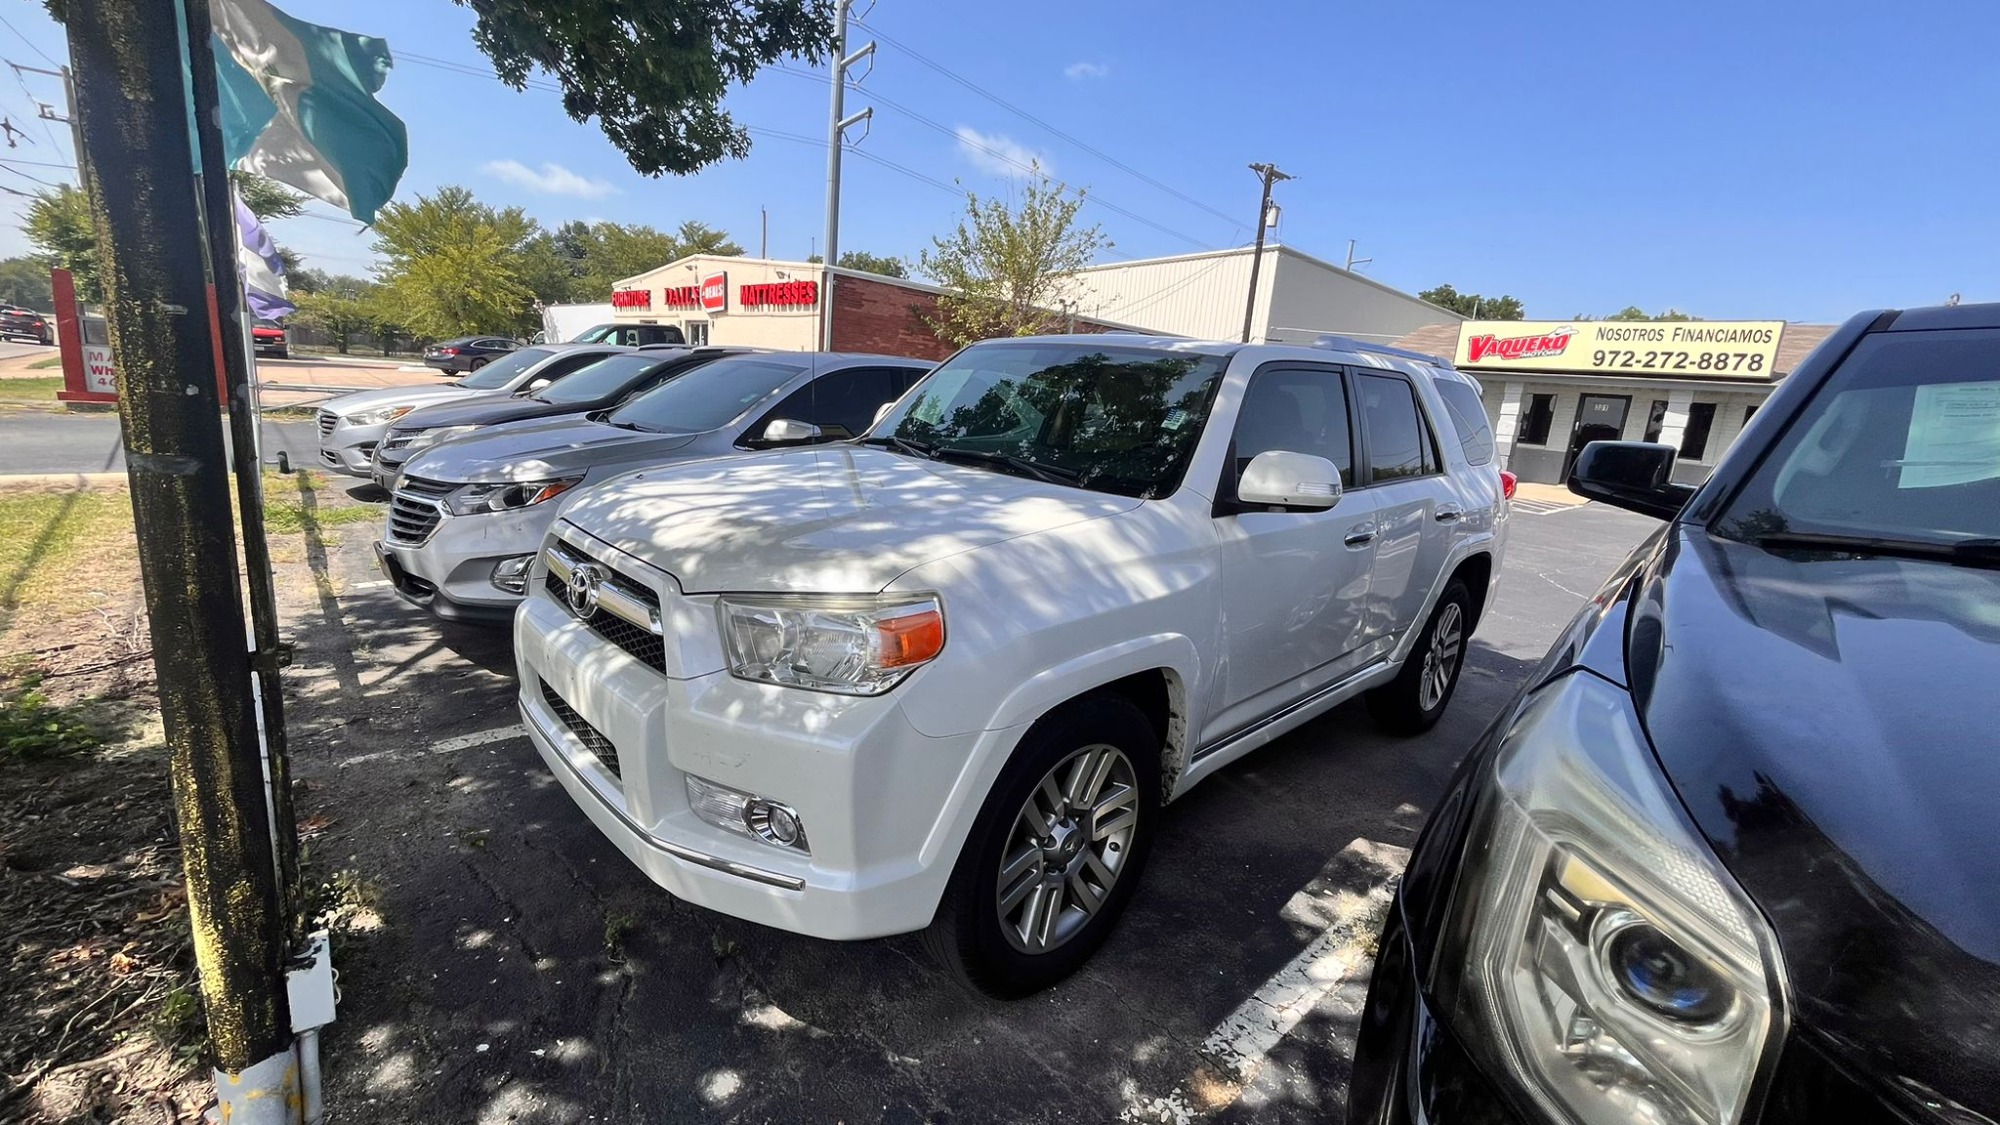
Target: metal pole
x=836 y=110
x=1269 y=174
x=133 y=108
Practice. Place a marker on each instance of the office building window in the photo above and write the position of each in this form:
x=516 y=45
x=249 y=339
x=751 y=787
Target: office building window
x=1694 y=440
x=1535 y=423
x=1656 y=419
x=1749 y=412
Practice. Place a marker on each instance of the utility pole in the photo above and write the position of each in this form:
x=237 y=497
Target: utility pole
x=836 y=138
x=1270 y=175
x=133 y=114
x=764 y=225
x=48 y=113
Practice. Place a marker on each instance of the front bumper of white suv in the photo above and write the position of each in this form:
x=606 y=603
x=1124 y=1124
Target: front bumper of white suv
x=624 y=716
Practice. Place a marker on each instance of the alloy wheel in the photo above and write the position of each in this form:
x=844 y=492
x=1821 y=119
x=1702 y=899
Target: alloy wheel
x=1441 y=656
x=1066 y=848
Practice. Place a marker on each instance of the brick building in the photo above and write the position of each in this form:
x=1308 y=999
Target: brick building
x=760 y=302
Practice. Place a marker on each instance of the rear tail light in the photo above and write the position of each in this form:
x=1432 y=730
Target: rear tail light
x=447 y=351
x=1508 y=481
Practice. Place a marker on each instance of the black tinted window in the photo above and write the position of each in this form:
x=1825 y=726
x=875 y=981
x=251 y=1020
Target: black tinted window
x=1535 y=422
x=1398 y=447
x=1468 y=417
x=603 y=379
x=844 y=403
x=1694 y=440
x=1300 y=410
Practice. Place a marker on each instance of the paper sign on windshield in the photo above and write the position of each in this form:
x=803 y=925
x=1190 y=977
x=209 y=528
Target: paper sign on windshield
x=1954 y=435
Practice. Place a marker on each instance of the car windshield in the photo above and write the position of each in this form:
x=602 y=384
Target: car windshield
x=596 y=335
x=1111 y=419
x=707 y=398
x=503 y=371
x=1901 y=444
x=600 y=380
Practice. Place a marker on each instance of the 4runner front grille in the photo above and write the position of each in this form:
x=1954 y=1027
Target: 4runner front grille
x=593 y=740
x=630 y=599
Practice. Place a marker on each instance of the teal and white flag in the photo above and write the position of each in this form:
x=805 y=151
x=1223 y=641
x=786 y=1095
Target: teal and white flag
x=298 y=105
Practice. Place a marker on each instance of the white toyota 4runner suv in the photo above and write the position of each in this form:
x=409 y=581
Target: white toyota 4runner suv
x=944 y=677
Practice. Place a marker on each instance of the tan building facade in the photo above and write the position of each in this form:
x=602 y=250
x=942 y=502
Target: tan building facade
x=1551 y=387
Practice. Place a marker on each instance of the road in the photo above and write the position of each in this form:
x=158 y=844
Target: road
x=515 y=967
x=15 y=349
x=33 y=442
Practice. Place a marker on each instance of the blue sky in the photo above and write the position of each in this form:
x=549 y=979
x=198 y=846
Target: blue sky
x=1788 y=160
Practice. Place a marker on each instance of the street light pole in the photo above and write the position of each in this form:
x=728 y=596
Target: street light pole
x=1270 y=175
x=837 y=126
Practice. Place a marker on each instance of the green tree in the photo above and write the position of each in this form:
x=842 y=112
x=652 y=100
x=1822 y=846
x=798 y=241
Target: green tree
x=1634 y=312
x=868 y=263
x=455 y=265
x=339 y=305
x=1007 y=268
x=267 y=198
x=25 y=281
x=695 y=237
x=1473 y=305
x=653 y=74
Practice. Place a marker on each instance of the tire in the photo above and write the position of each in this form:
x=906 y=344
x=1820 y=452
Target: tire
x=1415 y=700
x=282 y=353
x=477 y=364
x=993 y=950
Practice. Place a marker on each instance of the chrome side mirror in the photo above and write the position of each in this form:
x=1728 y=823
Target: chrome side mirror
x=1278 y=478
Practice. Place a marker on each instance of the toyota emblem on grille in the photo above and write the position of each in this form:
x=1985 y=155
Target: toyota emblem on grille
x=584 y=583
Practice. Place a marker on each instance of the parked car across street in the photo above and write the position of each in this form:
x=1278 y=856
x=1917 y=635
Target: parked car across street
x=469 y=516
x=943 y=678
x=23 y=323
x=1730 y=854
x=267 y=337
x=468 y=353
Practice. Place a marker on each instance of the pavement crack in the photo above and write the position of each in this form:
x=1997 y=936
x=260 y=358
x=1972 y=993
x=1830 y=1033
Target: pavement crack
x=511 y=920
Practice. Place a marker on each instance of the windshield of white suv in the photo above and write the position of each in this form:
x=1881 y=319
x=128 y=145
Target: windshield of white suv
x=1111 y=419
x=502 y=371
x=708 y=397
x=1901 y=445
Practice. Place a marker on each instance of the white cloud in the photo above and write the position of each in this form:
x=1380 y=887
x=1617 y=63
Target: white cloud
x=1000 y=154
x=1079 y=71
x=552 y=179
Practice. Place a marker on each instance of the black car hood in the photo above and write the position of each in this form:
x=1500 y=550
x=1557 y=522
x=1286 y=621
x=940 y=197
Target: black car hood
x=486 y=412
x=1833 y=725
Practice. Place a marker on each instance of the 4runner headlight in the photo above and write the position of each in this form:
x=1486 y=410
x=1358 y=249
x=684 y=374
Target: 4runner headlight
x=1611 y=966
x=427 y=438
x=378 y=417
x=475 y=498
x=849 y=645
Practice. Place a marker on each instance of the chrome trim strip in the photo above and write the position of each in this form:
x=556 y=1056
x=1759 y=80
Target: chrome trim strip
x=678 y=851
x=1284 y=713
x=619 y=596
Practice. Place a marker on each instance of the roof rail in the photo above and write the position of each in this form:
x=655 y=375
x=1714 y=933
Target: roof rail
x=1349 y=344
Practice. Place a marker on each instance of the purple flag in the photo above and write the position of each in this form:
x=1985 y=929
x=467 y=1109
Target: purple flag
x=263 y=271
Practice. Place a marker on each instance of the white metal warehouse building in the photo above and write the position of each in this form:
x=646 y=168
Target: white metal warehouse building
x=1299 y=298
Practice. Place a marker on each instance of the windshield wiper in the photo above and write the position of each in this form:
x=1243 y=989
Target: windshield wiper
x=1054 y=474
x=1983 y=551
x=901 y=445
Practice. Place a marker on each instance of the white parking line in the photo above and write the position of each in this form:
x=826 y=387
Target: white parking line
x=375 y=585
x=445 y=746
x=1346 y=901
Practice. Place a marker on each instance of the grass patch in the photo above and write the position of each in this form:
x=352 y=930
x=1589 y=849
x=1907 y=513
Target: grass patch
x=45 y=364
x=56 y=547
x=32 y=729
x=39 y=390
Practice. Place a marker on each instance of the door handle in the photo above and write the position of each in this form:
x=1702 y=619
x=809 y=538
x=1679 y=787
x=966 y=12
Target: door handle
x=1360 y=536
x=1448 y=512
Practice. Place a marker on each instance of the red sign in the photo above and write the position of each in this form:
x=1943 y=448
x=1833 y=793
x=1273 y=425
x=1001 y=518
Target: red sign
x=790 y=294
x=715 y=292
x=1518 y=347
x=632 y=299
x=681 y=296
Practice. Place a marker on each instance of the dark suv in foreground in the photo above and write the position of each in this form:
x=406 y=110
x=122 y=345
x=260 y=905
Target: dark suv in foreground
x=1734 y=854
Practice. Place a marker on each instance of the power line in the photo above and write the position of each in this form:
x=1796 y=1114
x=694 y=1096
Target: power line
x=995 y=153
x=31 y=43
x=32 y=179
x=38 y=163
x=1003 y=103
x=818 y=142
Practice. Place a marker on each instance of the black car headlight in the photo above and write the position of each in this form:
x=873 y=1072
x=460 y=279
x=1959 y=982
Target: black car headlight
x=1608 y=965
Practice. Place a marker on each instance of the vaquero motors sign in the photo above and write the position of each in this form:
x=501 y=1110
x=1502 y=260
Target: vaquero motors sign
x=1693 y=349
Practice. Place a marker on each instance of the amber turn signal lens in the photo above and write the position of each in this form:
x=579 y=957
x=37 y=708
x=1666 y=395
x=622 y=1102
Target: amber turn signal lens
x=911 y=639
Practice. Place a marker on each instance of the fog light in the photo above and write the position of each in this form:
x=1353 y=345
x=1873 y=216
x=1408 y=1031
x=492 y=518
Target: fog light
x=511 y=575
x=746 y=814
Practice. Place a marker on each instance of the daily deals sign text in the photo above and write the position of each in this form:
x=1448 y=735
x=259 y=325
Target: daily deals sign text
x=1696 y=349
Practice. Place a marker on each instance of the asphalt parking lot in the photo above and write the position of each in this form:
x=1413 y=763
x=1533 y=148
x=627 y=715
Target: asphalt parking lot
x=523 y=971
